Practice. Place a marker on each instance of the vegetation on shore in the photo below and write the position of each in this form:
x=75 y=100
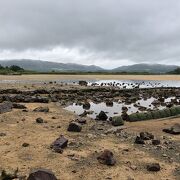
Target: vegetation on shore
x=176 y=71
x=13 y=70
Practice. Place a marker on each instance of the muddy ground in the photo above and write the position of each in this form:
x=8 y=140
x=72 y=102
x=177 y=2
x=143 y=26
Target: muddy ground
x=79 y=159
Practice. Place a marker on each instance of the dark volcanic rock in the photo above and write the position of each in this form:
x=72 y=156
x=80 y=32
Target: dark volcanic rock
x=139 y=140
x=59 y=144
x=25 y=144
x=5 y=107
x=41 y=174
x=107 y=158
x=102 y=116
x=2 y=134
x=41 y=109
x=86 y=105
x=74 y=127
x=109 y=103
x=156 y=142
x=146 y=136
x=39 y=120
x=81 y=121
x=154 y=167
x=19 y=106
x=175 y=129
x=83 y=83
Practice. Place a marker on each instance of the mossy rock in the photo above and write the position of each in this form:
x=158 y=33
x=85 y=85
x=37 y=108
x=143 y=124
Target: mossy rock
x=162 y=114
x=148 y=116
x=173 y=111
x=156 y=114
x=167 y=112
x=142 y=116
x=117 y=121
x=134 y=117
x=177 y=109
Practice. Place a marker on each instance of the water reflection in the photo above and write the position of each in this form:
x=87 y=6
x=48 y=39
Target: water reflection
x=116 y=108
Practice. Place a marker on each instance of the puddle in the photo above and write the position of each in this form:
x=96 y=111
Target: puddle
x=116 y=108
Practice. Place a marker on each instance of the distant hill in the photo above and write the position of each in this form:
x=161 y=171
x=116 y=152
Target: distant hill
x=46 y=66
x=150 y=68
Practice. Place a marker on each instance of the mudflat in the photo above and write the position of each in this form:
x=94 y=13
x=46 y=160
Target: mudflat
x=90 y=77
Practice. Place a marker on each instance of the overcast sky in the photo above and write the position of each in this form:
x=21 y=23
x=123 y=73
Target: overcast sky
x=108 y=33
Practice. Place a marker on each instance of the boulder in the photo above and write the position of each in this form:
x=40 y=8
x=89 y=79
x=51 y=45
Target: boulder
x=74 y=127
x=41 y=174
x=107 y=158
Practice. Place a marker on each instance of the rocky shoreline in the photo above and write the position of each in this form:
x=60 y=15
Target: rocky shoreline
x=83 y=144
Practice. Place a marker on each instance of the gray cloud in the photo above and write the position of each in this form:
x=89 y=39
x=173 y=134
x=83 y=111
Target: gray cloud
x=114 y=31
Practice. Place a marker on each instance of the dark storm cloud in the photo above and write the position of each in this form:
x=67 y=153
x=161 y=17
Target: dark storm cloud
x=135 y=30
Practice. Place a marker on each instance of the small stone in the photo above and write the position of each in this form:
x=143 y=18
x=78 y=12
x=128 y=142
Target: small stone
x=164 y=155
x=102 y=116
x=146 y=136
x=139 y=140
x=2 y=134
x=59 y=144
x=39 y=120
x=153 y=167
x=156 y=142
x=81 y=121
x=74 y=127
x=133 y=167
x=25 y=144
x=41 y=109
x=107 y=158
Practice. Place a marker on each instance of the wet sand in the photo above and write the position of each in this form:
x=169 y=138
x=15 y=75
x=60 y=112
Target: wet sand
x=91 y=77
